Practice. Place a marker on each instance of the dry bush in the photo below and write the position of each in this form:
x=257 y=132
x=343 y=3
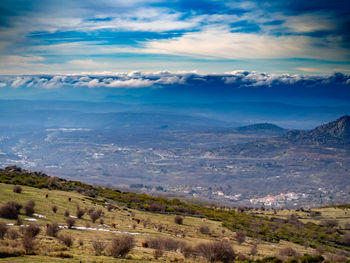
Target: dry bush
x=66 y=239
x=254 y=249
x=102 y=221
x=241 y=236
x=66 y=213
x=110 y=207
x=188 y=251
x=178 y=220
x=216 y=251
x=165 y=243
x=98 y=246
x=10 y=210
x=157 y=253
x=204 y=230
x=330 y=223
x=319 y=250
x=29 y=208
x=81 y=242
x=94 y=216
x=345 y=239
x=17 y=189
x=3 y=229
x=54 y=209
x=336 y=258
x=52 y=229
x=70 y=222
x=80 y=212
x=12 y=234
x=288 y=252
x=121 y=245
x=28 y=243
x=32 y=230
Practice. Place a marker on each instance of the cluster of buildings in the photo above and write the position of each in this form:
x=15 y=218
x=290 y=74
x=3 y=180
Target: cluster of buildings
x=277 y=200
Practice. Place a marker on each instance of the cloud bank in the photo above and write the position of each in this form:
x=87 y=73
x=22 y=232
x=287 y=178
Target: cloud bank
x=236 y=79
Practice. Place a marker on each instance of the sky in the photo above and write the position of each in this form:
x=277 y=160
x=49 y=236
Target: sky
x=205 y=36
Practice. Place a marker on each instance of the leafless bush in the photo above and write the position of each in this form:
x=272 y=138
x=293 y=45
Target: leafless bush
x=241 y=236
x=18 y=222
x=52 y=229
x=28 y=243
x=66 y=213
x=54 y=209
x=12 y=234
x=80 y=212
x=319 y=250
x=188 y=251
x=29 y=208
x=345 y=240
x=66 y=239
x=17 y=189
x=110 y=207
x=330 y=223
x=164 y=243
x=94 y=216
x=121 y=245
x=70 y=222
x=216 y=251
x=204 y=230
x=102 y=221
x=288 y=252
x=98 y=246
x=157 y=253
x=254 y=249
x=10 y=210
x=81 y=242
x=336 y=258
x=3 y=229
x=178 y=220
x=32 y=230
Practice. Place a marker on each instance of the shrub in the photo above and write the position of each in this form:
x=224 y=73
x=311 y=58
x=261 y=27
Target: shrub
x=17 y=189
x=18 y=222
x=10 y=210
x=157 y=253
x=330 y=223
x=52 y=229
x=164 y=243
x=12 y=234
x=81 y=242
x=216 y=251
x=240 y=236
x=288 y=252
x=54 y=209
x=254 y=249
x=178 y=220
x=94 y=216
x=66 y=213
x=102 y=221
x=345 y=240
x=188 y=251
x=98 y=246
x=204 y=230
x=70 y=222
x=66 y=239
x=80 y=212
x=121 y=245
x=110 y=207
x=28 y=243
x=29 y=208
x=3 y=229
x=32 y=230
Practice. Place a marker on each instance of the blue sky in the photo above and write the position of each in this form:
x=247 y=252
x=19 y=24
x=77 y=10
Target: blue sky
x=208 y=36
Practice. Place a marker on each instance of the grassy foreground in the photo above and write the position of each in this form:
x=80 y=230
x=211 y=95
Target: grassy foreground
x=152 y=223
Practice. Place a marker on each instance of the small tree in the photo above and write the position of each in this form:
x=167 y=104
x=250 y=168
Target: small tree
x=94 y=216
x=121 y=245
x=17 y=189
x=216 y=251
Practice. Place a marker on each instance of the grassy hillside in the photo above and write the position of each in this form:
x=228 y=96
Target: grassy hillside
x=150 y=217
